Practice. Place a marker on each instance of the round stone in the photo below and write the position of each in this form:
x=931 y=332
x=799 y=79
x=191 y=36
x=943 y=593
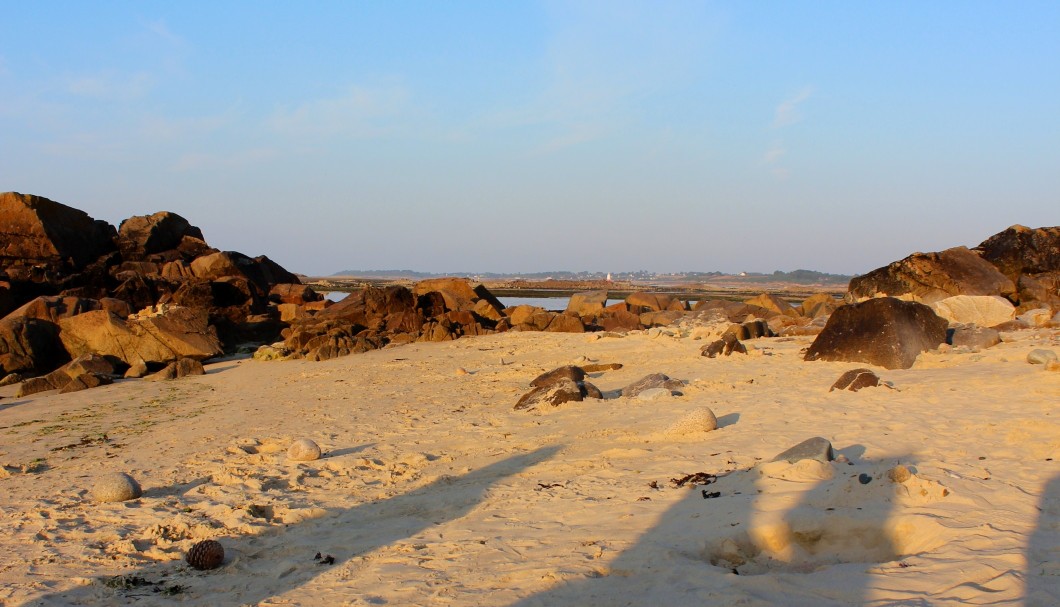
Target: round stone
x=697 y=420
x=303 y=450
x=1041 y=357
x=116 y=487
x=899 y=474
x=207 y=554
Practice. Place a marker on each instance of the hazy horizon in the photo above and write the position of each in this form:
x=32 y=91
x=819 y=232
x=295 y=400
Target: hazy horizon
x=519 y=136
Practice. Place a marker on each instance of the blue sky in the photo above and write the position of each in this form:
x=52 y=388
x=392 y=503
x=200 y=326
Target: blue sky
x=526 y=136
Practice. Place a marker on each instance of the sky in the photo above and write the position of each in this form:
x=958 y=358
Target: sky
x=521 y=136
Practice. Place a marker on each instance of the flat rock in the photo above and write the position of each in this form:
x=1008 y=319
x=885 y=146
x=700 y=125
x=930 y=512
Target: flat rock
x=971 y=336
x=816 y=448
x=650 y=382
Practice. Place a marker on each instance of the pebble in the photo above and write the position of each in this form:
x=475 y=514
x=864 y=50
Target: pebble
x=116 y=487
x=461 y=371
x=864 y=479
x=303 y=450
x=899 y=474
x=1041 y=357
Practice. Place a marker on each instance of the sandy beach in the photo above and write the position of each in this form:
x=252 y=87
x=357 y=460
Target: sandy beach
x=433 y=491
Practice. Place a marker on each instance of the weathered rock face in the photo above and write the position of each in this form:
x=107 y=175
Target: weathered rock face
x=161 y=338
x=929 y=277
x=884 y=331
x=144 y=235
x=1020 y=250
x=40 y=236
x=982 y=310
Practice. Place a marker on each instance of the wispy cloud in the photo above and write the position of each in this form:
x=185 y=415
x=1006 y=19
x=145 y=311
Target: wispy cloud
x=359 y=112
x=788 y=110
x=774 y=153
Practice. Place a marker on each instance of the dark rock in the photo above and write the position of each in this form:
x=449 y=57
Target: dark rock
x=554 y=394
x=972 y=336
x=293 y=294
x=30 y=345
x=856 y=379
x=648 y=382
x=1020 y=250
x=86 y=381
x=816 y=448
x=40 y=236
x=143 y=235
x=884 y=331
x=569 y=372
x=723 y=347
x=934 y=276
x=752 y=329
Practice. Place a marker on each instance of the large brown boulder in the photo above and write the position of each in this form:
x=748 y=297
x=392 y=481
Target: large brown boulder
x=261 y=270
x=654 y=302
x=929 y=277
x=884 y=331
x=156 y=338
x=772 y=302
x=35 y=231
x=143 y=235
x=457 y=292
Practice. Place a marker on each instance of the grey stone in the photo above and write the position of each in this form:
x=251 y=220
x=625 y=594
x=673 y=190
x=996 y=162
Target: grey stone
x=648 y=382
x=816 y=448
x=971 y=336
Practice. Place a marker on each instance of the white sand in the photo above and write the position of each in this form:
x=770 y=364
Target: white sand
x=433 y=491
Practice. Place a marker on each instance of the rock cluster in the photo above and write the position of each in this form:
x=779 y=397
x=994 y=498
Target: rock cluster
x=69 y=285
x=558 y=386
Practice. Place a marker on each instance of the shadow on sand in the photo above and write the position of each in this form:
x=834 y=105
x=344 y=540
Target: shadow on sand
x=1043 y=551
x=263 y=566
x=736 y=548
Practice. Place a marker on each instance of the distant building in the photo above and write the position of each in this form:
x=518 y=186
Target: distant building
x=609 y=277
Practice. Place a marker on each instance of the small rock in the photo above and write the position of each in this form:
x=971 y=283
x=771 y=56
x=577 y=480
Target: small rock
x=116 y=487
x=864 y=479
x=856 y=379
x=649 y=382
x=136 y=370
x=653 y=394
x=899 y=474
x=461 y=371
x=11 y=378
x=1041 y=357
x=697 y=421
x=723 y=347
x=816 y=448
x=303 y=450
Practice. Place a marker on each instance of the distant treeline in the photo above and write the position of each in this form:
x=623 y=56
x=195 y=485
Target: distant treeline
x=796 y=276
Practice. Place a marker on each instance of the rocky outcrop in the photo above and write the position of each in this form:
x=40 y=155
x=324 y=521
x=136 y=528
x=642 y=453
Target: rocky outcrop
x=29 y=345
x=884 y=331
x=587 y=303
x=157 y=338
x=930 y=277
x=653 y=302
x=41 y=239
x=1019 y=251
x=561 y=385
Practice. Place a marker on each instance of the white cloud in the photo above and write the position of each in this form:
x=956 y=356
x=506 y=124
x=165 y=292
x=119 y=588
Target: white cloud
x=788 y=110
x=360 y=112
x=775 y=153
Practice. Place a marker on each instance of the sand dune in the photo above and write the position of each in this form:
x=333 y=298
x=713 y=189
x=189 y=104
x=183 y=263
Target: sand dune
x=433 y=491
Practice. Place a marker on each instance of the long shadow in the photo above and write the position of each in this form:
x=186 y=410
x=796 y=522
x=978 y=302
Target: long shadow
x=731 y=549
x=1042 y=578
x=259 y=567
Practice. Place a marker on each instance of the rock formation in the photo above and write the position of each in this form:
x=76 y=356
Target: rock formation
x=884 y=331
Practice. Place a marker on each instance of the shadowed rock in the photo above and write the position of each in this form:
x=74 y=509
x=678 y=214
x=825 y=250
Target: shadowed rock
x=885 y=331
x=650 y=382
x=929 y=277
x=723 y=347
x=971 y=336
